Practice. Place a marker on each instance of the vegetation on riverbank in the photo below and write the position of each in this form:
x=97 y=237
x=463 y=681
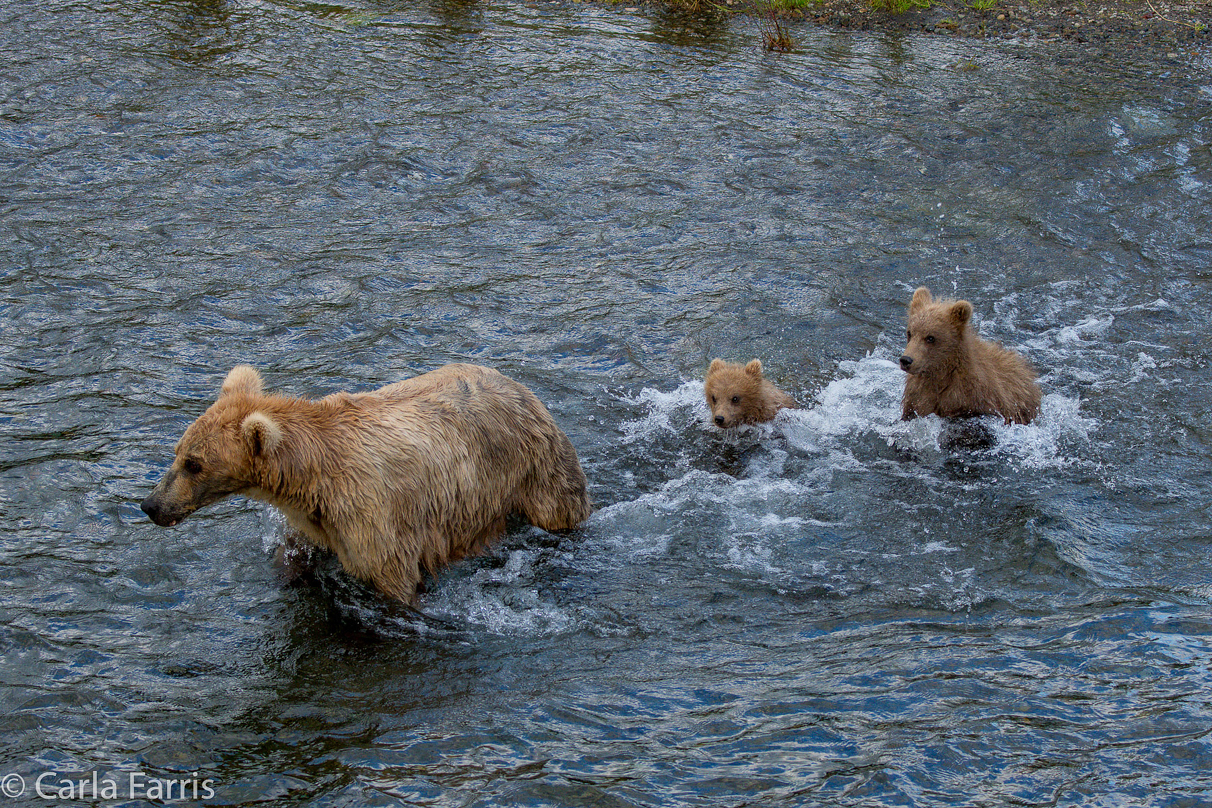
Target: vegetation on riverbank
x=1161 y=25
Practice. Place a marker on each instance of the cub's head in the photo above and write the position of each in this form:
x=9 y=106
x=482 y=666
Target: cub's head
x=937 y=328
x=734 y=392
x=214 y=457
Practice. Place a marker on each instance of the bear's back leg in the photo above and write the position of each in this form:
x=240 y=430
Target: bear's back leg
x=554 y=496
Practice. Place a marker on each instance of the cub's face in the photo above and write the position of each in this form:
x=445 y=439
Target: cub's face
x=733 y=393
x=934 y=333
x=210 y=463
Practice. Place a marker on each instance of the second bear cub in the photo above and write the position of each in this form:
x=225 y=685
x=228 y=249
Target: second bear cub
x=737 y=394
x=952 y=372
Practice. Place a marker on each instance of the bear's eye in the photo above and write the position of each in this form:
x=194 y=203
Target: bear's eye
x=908 y=335
x=713 y=399
x=736 y=399
x=192 y=466
x=930 y=339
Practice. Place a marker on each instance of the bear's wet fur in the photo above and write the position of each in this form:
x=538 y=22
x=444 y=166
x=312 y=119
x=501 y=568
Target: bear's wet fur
x=397 y=482
x=953 y=373
x=739 y=394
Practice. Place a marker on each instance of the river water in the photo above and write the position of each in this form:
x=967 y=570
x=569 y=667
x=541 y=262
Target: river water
x=837 y=608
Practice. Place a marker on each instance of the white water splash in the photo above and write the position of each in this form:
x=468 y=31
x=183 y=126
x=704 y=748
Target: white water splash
x=502 y=600
x=666 y=410
x=741 y=520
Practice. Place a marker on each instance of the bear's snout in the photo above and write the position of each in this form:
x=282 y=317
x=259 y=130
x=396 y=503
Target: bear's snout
x=906 y=362
x=719 y=420
x=156 y=513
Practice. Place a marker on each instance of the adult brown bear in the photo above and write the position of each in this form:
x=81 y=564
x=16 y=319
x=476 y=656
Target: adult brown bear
x=397 y=482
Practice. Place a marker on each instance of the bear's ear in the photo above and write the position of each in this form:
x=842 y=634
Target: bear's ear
x=960 y=313
x=262 y=434
x=921 y=299
x=716 y=364
x=754 y=368
x=242 y=379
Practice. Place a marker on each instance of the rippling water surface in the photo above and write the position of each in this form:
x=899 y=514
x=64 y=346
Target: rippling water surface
x=834 y=609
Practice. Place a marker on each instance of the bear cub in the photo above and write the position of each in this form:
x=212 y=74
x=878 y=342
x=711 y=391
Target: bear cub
x=397 y=482
x=953 y=373
x=737 y=394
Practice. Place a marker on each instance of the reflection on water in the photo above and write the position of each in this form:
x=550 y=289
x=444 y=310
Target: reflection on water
x=834 y=608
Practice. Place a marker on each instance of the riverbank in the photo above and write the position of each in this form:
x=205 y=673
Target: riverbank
x=1161 y=25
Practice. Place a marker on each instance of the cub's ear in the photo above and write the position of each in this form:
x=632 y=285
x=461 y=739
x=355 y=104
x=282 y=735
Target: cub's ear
x=921 y=299
x=261 y=433
x=716 y=364
x=960 y=313
x=754 y=368
x=242 y=379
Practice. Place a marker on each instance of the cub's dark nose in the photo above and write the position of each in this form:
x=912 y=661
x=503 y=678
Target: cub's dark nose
x=906 y=361
x=719 y=420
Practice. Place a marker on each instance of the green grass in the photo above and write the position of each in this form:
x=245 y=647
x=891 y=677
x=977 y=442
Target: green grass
x=899 y=6
x=793 y=5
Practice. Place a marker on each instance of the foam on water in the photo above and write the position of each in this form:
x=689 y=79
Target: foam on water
x=683 y=404
x=744 y=524
x=502 y=600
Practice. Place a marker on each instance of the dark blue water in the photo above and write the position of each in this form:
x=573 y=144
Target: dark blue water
x=835 y=609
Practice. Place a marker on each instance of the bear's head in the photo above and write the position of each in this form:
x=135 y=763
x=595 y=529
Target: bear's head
x=734 y=392
x=215 y=456
x=937 y=332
